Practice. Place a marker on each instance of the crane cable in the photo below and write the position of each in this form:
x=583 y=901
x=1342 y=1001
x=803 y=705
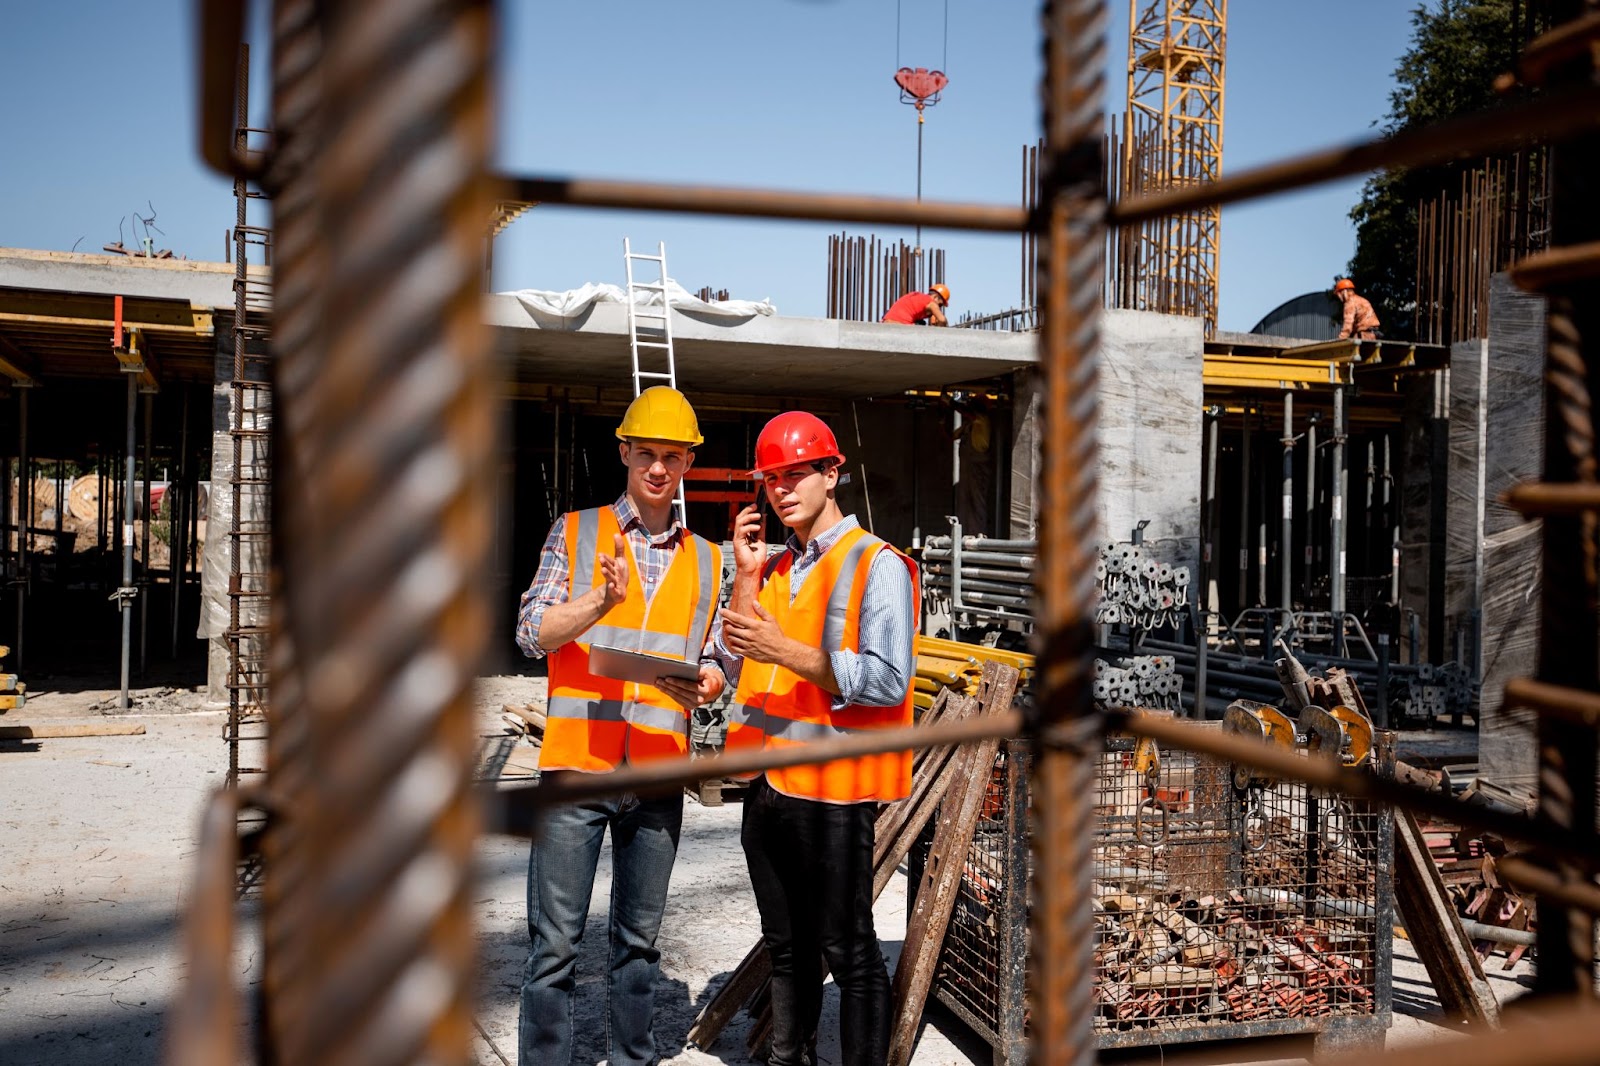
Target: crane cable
x=899 y=24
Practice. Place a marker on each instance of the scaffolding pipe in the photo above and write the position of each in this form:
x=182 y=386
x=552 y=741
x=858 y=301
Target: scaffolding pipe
x=1285 y=570
x=24 y=516
x=1244 y=515
x=1311 y=504
x=144 y=551
x=1263 y=513
x=124 y=592
x=1391 y=515
x=1209 y=511
x=1338 y=476
x=177 y=517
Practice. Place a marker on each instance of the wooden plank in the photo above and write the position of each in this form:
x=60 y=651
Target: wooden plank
x=1435 y=929
x=70 y=729
x=936 y=897
x=535 y=719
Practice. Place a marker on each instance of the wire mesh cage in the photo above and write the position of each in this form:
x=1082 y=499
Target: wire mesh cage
x=1225 y=906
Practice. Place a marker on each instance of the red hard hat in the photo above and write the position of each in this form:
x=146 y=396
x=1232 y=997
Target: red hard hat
x=794 y=437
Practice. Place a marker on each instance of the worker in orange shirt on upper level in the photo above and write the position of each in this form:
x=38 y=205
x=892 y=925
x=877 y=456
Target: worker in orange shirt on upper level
x=1360 y=320
x=916 y=307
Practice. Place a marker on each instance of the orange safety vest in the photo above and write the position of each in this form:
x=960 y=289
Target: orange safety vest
x=595 y=723
x=774 y=707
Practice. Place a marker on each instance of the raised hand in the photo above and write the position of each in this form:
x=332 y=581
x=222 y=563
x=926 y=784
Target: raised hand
x=756 y=637
x=614 y=569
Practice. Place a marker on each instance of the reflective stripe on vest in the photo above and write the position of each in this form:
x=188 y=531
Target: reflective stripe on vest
x=625 y=639
x=583 y=562
x=596 y=710
x=710 y=579
x=833 y=626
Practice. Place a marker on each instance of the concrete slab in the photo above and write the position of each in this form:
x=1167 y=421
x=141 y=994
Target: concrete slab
x=194 y=281
x=763 y=356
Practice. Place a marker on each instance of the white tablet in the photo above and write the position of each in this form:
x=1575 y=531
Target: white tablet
x=638 y=666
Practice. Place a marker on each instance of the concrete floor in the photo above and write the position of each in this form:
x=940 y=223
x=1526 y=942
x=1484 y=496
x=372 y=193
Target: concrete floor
x=98 y=839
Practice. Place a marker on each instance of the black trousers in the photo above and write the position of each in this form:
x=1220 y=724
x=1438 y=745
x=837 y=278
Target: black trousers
x=811 y=868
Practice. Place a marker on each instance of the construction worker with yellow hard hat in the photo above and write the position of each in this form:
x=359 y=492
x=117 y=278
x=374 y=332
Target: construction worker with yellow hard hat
x=921 y=307
x=628 y=577
x=1360 y=320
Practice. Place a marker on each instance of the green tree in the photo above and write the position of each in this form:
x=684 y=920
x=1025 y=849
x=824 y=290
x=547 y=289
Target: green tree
x=1457 y=49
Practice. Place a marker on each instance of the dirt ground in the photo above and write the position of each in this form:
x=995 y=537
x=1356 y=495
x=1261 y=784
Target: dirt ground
x=97 y=838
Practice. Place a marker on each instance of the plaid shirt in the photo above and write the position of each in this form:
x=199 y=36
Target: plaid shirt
x=880 y=673
x=550 y=584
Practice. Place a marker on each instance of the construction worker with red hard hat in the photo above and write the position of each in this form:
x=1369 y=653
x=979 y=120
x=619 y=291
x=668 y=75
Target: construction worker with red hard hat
x=627 y=576
x=1360 y=320
x=921 y=307
x=819 y=642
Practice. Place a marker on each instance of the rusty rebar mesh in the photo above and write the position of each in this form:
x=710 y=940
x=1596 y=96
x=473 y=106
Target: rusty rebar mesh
x=1214 y=907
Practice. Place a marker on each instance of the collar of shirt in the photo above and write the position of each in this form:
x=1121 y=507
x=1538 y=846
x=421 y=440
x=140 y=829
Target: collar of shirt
x=818 y=545
x=628 y=518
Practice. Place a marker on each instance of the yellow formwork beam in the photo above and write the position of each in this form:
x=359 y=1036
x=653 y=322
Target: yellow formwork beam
x=1262 y=372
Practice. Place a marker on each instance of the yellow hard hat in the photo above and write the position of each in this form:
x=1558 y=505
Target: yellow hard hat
x=661 y=413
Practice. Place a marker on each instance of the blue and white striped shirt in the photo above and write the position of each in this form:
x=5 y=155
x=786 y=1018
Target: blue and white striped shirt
x=879 y=674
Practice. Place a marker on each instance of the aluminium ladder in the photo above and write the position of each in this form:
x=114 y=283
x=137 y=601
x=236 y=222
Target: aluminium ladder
x=655 y=345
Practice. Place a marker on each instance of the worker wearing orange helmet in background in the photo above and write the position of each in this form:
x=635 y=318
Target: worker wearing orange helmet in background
x=819 y=640
x=627 y=576
x=927 y=307
x=1360 y=320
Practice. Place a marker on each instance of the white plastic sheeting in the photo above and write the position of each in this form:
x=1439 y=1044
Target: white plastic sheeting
x=564 y=306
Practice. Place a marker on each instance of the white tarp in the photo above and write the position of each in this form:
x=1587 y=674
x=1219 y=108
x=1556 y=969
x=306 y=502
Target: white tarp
x=574 y=302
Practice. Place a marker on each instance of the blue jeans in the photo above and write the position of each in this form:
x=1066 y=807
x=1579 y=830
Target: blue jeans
x=561 y=868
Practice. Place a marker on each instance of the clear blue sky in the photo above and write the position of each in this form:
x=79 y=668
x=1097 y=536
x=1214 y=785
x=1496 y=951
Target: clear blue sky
x=785 y=93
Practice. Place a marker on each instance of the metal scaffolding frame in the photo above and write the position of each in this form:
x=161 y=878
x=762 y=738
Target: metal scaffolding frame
x=382 y=615
x=1172 y=138
x=250 y=467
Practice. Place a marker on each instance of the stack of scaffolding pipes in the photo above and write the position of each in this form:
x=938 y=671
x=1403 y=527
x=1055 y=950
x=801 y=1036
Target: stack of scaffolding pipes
x=994 y=573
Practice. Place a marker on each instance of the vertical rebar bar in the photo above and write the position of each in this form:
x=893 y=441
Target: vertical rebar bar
x=1061 y=964
x=392 y=432
x=1569 y=617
